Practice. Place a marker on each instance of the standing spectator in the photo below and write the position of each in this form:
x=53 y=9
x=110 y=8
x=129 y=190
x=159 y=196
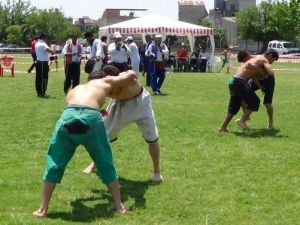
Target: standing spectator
x=33 y=53
x=134 y=55
x=42 y=66
x=148 y=66
x=73 y=51
x=194 y=62
x=96 y=53
x=119 y=53
x=157 y=51
x=203 y=58
x=182 y=58
x=53 y=56
x=142 y=60
x=104 y=46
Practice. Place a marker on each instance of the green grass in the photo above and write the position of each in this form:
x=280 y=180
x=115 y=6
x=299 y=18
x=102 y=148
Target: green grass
x=243 y=178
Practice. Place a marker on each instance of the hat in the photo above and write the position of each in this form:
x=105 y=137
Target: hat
x=129 y=38
x=117 y=35
x=158 y=36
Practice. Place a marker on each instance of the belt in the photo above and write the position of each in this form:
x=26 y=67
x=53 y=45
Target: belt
x=141 y=91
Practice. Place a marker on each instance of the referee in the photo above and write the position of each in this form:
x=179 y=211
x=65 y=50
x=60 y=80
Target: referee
x=42 y=67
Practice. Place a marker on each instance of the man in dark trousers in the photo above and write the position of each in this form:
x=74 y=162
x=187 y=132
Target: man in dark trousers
x=33 y=54
x=73 y=51
x=42 y=67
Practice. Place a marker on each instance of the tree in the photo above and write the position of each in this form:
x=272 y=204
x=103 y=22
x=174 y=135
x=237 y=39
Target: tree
x=14 y=13
x=14 y=35
x=51 y=22
x=269 y=21
x=219 y=35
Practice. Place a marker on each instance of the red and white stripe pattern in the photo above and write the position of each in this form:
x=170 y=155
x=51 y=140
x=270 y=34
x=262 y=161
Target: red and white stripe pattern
x=153 y=24
x=171 y=31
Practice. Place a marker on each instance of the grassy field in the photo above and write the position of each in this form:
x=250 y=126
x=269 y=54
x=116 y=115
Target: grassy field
x=245 y=178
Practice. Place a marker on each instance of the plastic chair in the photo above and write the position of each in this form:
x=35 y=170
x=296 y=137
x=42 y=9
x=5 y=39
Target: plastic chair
x=213 y=64
x=7 y=63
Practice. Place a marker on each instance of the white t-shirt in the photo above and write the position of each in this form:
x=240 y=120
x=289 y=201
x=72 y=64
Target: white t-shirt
x=96 y=49
x=41 y=51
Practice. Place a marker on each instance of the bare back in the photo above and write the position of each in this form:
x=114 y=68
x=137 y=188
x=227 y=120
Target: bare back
x=93 y=93
x=253 y=68
x=124 y=93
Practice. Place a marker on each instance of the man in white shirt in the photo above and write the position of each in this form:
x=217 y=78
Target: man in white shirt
x=73 y=51
x=42 y=67
x=134 y=55
x=96 y=53
x=157 y=51
x=119 y=53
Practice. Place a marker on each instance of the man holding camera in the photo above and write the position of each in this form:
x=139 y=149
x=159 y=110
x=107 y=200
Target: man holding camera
x=119 y=53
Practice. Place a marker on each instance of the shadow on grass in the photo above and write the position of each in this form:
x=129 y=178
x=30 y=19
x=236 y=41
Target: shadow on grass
x=260 y=133
x=83 y=213
x=160 y=95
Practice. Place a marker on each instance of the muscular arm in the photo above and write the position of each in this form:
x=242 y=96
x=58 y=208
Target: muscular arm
x=123 y=80
x=268 y=69
x=257 y=83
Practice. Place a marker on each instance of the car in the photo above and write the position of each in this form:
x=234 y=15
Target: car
x=12 y=48
x=1 y=47
x=283 y=47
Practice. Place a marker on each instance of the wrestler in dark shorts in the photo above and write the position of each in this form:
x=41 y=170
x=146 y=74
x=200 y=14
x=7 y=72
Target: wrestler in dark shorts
x=269 y=84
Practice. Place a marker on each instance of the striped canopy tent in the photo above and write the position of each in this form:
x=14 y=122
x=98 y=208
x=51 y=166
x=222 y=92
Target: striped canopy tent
x=153 y=24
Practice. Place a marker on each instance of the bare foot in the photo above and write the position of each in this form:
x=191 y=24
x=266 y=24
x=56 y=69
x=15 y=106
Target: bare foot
x=157 y=178
x=123 y=209
x=90 y=169
x=221 y=129
x=270 y=126
x=242 y=124
x=40 y=213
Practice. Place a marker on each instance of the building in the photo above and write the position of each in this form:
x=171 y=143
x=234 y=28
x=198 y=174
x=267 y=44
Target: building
x=191 y=11
x=230 y=7
x=223 y=15
x=84 y=23
x=112 y=16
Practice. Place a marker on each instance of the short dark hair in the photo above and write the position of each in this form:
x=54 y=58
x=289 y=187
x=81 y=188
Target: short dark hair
x=105 y=71
x=104 y=38
x=273 y=53
x=225 y=46
x=73 y=36
x=42 y=36
x=241 y=56
x=88 y=34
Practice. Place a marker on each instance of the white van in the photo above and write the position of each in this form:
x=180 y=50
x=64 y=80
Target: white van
x=283 y=47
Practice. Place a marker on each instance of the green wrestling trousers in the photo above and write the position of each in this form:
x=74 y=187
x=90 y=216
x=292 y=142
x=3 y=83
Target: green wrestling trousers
x=79 y=125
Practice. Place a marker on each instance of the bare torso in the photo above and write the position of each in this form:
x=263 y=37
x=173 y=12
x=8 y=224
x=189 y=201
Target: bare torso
x=91 y=94
x=256 y=70
x=123 y=93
